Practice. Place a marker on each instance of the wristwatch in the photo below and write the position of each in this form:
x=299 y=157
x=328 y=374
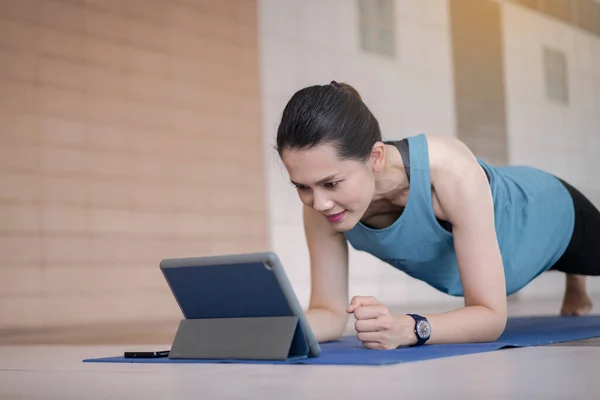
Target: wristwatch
x=422 y=329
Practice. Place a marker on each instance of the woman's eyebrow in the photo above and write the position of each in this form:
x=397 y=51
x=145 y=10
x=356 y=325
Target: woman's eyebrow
x=328 y=178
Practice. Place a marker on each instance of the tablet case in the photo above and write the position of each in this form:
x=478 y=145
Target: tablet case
x=257 y=338
x=233 y=311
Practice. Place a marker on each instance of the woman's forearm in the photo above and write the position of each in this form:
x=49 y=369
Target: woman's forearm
x=326 y=324
x=466 y=325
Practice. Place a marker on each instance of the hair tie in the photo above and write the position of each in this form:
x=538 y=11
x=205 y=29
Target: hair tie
x=335 y=84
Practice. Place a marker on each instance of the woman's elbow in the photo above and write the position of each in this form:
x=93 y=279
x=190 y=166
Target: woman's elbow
x=498 y=326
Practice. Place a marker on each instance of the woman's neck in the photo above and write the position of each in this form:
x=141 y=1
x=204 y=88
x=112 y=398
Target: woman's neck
x=392 y=181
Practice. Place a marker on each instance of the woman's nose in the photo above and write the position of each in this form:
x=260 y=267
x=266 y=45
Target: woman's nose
x=322 y=203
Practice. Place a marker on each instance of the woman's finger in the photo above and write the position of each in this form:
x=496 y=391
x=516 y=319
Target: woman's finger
x=368 y=325
x=368 y=312
x=369 y=336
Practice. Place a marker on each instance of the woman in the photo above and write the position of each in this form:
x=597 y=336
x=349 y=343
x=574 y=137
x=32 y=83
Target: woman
x=428 y=207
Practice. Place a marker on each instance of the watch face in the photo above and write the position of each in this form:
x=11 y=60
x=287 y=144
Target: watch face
x=423 y=329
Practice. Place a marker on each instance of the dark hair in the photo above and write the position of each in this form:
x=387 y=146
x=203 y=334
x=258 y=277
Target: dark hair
x=333 y=113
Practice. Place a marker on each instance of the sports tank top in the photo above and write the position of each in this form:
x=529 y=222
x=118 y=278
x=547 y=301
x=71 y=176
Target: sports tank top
x=534 y=219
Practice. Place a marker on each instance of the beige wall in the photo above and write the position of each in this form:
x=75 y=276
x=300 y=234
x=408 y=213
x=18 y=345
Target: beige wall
x=478 y=77
x=129 y=132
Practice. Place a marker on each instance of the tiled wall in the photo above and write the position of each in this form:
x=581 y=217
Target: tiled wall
x=130 y=131
x=312 y=42
x=563 y=139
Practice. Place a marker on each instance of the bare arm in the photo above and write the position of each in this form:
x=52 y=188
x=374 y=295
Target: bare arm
x=464 y=195
x=329 y=277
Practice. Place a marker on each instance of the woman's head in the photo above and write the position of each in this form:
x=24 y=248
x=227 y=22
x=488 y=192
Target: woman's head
x=328 y=114
x=330 y=143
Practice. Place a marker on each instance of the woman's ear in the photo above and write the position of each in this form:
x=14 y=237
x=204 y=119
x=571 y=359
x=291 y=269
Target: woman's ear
x=377 y=158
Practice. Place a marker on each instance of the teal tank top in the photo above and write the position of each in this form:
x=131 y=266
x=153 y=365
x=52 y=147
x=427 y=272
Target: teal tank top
x=534 y=219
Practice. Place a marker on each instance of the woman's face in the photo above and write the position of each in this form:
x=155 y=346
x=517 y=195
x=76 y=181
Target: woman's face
x=341 y=190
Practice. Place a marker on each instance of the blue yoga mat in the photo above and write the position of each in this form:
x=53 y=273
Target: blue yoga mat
x=519 y=332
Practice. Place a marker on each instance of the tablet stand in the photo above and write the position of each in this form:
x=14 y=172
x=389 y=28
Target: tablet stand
x=256 y=338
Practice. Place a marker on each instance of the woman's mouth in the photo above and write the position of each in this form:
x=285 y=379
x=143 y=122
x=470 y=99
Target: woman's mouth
x=336 y=217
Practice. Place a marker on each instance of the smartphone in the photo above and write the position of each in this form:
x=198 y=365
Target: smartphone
x=146 y=354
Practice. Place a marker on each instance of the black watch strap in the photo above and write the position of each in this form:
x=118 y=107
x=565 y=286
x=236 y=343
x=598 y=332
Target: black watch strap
x=420 y=340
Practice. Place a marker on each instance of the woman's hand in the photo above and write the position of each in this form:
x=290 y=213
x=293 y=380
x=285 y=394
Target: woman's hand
x=377 y=328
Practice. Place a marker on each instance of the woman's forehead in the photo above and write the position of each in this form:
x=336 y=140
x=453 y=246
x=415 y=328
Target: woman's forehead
x=324 y=154
x=312 y=165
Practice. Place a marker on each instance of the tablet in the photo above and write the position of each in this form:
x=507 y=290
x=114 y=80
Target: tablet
x=235 y=286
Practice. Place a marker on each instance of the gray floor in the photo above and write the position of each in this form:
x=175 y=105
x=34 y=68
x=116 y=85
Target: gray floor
x=56 y=372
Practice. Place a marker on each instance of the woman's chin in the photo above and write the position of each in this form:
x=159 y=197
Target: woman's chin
x=345 y=224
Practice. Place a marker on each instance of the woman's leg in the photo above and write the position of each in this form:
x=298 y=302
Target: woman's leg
x=576 y=300
x=582 y=257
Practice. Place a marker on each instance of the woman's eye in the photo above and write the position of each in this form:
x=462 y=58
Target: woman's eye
x=331 y=185
x=300 y=187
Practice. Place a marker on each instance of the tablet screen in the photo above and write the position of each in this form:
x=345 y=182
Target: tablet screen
x=227 y=291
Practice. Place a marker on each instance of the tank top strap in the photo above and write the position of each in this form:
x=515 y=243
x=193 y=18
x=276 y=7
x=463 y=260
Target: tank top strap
x=420 y=169
x=403 y=148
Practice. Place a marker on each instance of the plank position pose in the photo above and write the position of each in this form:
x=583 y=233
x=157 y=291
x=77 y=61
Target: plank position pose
x=427 y=206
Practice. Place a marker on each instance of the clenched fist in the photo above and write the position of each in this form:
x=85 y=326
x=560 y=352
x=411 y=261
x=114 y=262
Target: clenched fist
x=377 y=328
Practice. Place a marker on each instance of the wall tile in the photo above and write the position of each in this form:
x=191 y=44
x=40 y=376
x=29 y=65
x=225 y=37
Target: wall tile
x=21 y=249
x=21 y=187
x=63 y=160
x=19 y=218
x=59 y=190
x=61 y=101
x=103 y=25
x=53 y=42
x=111 y=220
x=18 y=281
x=17 y=35
x=66 y=219
x=29 y=314
x=19 y=127
x=21 y=99
x=102 y=52
x=71 y=251
x=64 y=131
x=60 y=15
x=20 y=10
x=19 y=156
x=17 y=66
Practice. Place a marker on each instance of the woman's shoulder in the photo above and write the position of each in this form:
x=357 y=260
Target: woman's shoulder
x=449 y=156
x=444 y=151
